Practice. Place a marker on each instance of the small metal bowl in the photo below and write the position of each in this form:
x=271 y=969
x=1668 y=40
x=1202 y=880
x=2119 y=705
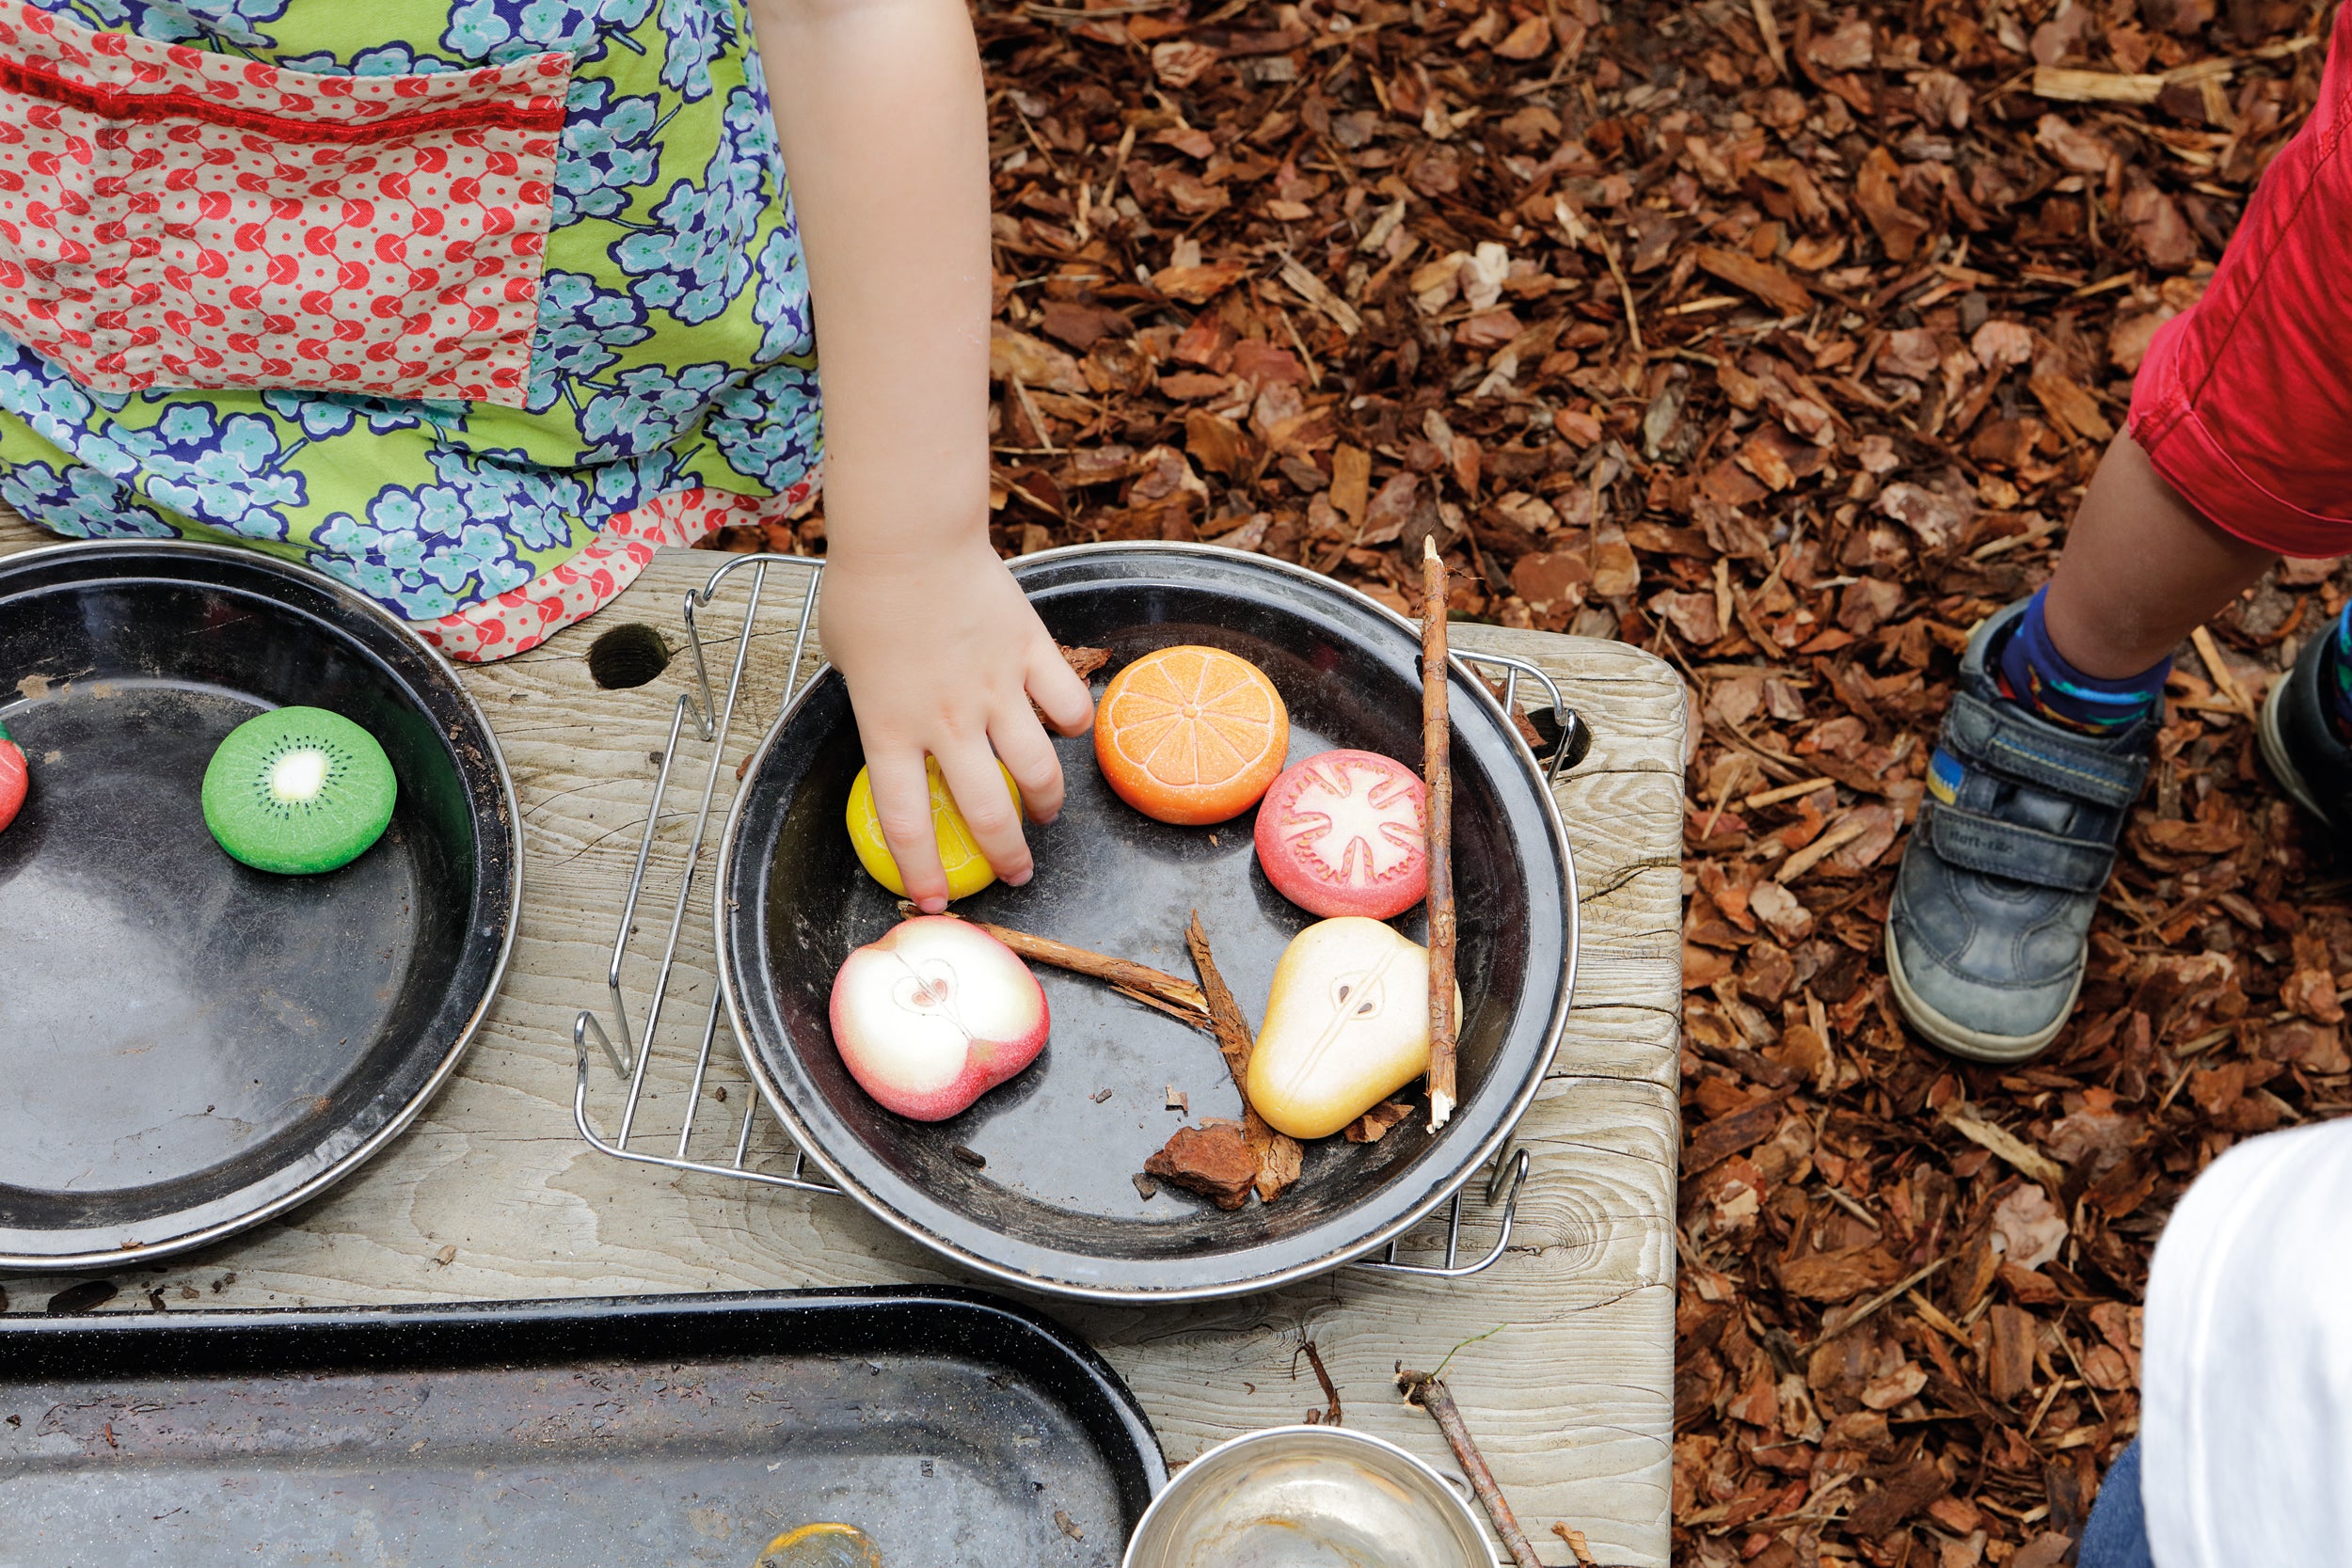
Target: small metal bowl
x=1304 y=1497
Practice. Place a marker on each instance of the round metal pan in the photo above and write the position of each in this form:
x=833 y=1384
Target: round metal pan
x=1054 y=1208
x=191 y=1046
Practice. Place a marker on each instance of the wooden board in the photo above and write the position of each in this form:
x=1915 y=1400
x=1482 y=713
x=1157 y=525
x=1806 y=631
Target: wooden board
x=494 y=1194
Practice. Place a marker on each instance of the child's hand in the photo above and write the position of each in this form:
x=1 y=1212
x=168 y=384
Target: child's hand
x=942 y=655
x=883 y=117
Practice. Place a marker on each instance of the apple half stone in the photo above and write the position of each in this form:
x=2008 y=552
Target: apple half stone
x=935 y=1015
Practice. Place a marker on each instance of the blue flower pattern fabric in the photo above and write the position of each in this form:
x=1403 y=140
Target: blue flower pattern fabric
x=674 y=352
x=683 y=261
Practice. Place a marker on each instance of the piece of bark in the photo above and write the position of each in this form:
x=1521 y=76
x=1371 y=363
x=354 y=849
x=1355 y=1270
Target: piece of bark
x=1278 y=1154
x=1373 y=1124
x=1438 y=776
x=1278 y=1164
x=1083 y=662
x=1898 y=1497
x=1155 y=988
x=1212 y=1159
x=1528 y=732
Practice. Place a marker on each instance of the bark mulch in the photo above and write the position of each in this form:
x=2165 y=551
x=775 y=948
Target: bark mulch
x=1779 y=338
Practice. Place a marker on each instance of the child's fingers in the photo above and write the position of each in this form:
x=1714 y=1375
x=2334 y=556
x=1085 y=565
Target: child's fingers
x=1029 y=757
x=903 y=804
x=1059 y=694
x=979 y=787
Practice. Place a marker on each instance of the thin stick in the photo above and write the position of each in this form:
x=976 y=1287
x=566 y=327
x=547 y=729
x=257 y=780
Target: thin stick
x=1330 y=1391
x=1438 y=773
x=2223 y=681
x=1428 y=1390
x=1156 y=988
x=1774 y=797
x=1624 y=291
x=1740 y=766
x=1226 y=1018
x=1818 y=850
x=1278 y=1153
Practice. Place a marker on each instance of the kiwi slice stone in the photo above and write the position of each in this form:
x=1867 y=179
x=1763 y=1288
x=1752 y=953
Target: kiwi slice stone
x=298 y=790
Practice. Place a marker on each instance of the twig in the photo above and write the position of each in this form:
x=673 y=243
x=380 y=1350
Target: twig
x=1330 y=1412
x=1819 y=849
x=1428 y=1390
x=1774 y=797
x=1869 y=1308
x=1766 y=25
x=1278 y=1153
x=1438 y=773
x=1029 y=404
x=1315 y=291
x=1624 y=291
x=2223 y=681
x=1740 y=766
x=1179 y=998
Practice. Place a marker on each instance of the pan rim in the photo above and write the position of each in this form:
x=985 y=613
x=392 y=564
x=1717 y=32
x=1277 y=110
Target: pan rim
x=1490 y=1143
x=510 y=916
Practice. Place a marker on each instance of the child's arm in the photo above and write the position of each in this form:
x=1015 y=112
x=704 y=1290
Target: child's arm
x=884 y=127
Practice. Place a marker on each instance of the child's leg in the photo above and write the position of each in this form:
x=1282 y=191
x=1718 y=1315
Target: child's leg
x=2116 y=1535
x=2240 y=449
x=2039 y=761
x=2140 y=571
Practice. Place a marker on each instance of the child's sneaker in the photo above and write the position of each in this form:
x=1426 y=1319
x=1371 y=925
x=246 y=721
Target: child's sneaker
x=2300 y=743
x=1989 y=923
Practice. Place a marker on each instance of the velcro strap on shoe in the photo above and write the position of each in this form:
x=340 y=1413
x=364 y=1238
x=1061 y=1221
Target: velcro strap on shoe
x=1976 y=842
x=1986 y=734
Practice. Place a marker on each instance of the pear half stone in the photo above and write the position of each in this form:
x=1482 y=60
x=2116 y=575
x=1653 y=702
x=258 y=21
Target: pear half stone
x=1347 y=1026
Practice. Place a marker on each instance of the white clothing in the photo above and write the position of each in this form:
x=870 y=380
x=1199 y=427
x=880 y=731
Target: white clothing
x=2246 y=1425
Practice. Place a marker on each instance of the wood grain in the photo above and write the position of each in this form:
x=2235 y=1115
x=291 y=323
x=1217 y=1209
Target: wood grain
x=493 y=1194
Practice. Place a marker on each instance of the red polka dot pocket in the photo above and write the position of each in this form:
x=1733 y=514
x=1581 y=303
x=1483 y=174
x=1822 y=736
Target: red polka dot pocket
x=174 y=217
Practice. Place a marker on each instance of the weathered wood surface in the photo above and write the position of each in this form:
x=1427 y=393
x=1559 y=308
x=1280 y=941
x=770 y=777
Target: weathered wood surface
x=493 y=1195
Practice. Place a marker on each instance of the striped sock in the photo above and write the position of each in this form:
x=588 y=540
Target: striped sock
x=2336 y=674
x=2032 y=672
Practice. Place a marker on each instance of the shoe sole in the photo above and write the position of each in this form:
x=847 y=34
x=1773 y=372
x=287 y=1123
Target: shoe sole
x=2274 y=749
x=1957 y=1039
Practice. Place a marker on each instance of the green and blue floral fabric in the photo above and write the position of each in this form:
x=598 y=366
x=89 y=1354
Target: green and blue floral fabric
x=672 y=352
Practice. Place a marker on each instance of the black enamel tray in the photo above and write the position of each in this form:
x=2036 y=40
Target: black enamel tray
x=951 y=1427
x=1054 y=1208
x=189 y=1045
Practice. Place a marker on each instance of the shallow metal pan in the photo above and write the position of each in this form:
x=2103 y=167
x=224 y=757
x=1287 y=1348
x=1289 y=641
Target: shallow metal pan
x=1054 y=1207
x=191 y=1046
x=949 y=1426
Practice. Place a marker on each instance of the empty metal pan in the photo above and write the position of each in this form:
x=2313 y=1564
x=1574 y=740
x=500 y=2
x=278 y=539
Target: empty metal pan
x=1034 y=1183
x=190 y=1045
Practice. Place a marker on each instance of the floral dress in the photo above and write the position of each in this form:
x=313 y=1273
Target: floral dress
x=468 y=304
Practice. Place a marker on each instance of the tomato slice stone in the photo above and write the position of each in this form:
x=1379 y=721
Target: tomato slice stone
x=13 y=779
x=1343 y=833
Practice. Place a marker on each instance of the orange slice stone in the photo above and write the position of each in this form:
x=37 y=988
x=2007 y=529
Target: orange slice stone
x=1191 y=734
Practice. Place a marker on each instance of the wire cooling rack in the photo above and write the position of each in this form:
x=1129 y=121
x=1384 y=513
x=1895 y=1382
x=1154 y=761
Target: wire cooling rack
x=652 y=1064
